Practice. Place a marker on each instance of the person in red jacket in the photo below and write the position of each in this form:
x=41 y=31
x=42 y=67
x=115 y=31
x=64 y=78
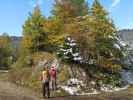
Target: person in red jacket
x=52 y=73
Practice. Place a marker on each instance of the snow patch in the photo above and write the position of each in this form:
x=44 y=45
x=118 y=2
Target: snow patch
x=77 y=58
x=110 y=88
x=73 y=88
x=123 y=43
x=94 y=92
x=70 y=90
x=117 y=46
x=75 y=54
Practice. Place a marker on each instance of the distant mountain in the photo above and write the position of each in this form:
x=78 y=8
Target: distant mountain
x=16 y=41
x=127 y=36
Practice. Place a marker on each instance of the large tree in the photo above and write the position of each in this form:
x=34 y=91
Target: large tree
x=106 y=36
x=99 y=49
x=34 y=38
x=64 y=12
x=70 y=8
x=96 y=38
x=98 y=10
x=106 y=25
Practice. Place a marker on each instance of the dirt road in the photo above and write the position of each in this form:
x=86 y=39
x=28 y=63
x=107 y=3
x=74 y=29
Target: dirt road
x=9 y=91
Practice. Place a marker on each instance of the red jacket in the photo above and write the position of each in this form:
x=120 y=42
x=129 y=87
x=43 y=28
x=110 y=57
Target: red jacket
x=52 y=73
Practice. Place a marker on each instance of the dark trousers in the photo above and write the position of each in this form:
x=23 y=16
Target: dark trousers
x=46 y=90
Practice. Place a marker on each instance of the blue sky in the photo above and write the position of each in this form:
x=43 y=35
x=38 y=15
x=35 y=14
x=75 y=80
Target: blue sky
x=13 y=13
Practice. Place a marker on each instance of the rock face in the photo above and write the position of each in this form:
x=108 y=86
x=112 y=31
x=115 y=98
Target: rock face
x=127 y=76
x=126 y=36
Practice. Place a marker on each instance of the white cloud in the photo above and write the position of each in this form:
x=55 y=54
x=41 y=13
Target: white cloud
x=115 y=3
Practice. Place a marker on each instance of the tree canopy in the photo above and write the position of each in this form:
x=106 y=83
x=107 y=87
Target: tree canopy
x=34 y=36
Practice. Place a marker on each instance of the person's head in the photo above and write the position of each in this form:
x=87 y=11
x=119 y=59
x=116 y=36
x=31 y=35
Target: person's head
x=52 y=68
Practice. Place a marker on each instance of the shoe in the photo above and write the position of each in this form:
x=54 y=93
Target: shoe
x=44 y=97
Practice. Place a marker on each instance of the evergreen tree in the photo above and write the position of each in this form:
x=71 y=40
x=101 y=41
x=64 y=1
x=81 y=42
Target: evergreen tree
x=67 y=9
x=34 y=37
x=98 y=11
x=100 y=55
x=64 y=13
x=96 y=39
x=55 y=30
x=106 y=37
x=69 y=51
x=103 y=25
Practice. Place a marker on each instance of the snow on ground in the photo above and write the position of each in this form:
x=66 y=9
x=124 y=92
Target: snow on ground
x=73 y=88
x=94 y=92
x=74 y=91
x=113 y=89
x=70 y=90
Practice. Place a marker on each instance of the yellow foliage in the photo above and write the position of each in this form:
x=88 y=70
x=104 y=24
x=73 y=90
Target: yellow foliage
x=4 y=41
x=108 y=64
x=41 y=56
x=26 y=42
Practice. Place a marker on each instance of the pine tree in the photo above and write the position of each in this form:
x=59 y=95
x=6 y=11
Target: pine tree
x=106 y=37
x=64 y=13
x=69 y=51
x=70 y=8
x=103 y=25
x=33 y=31
x=98 y=11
